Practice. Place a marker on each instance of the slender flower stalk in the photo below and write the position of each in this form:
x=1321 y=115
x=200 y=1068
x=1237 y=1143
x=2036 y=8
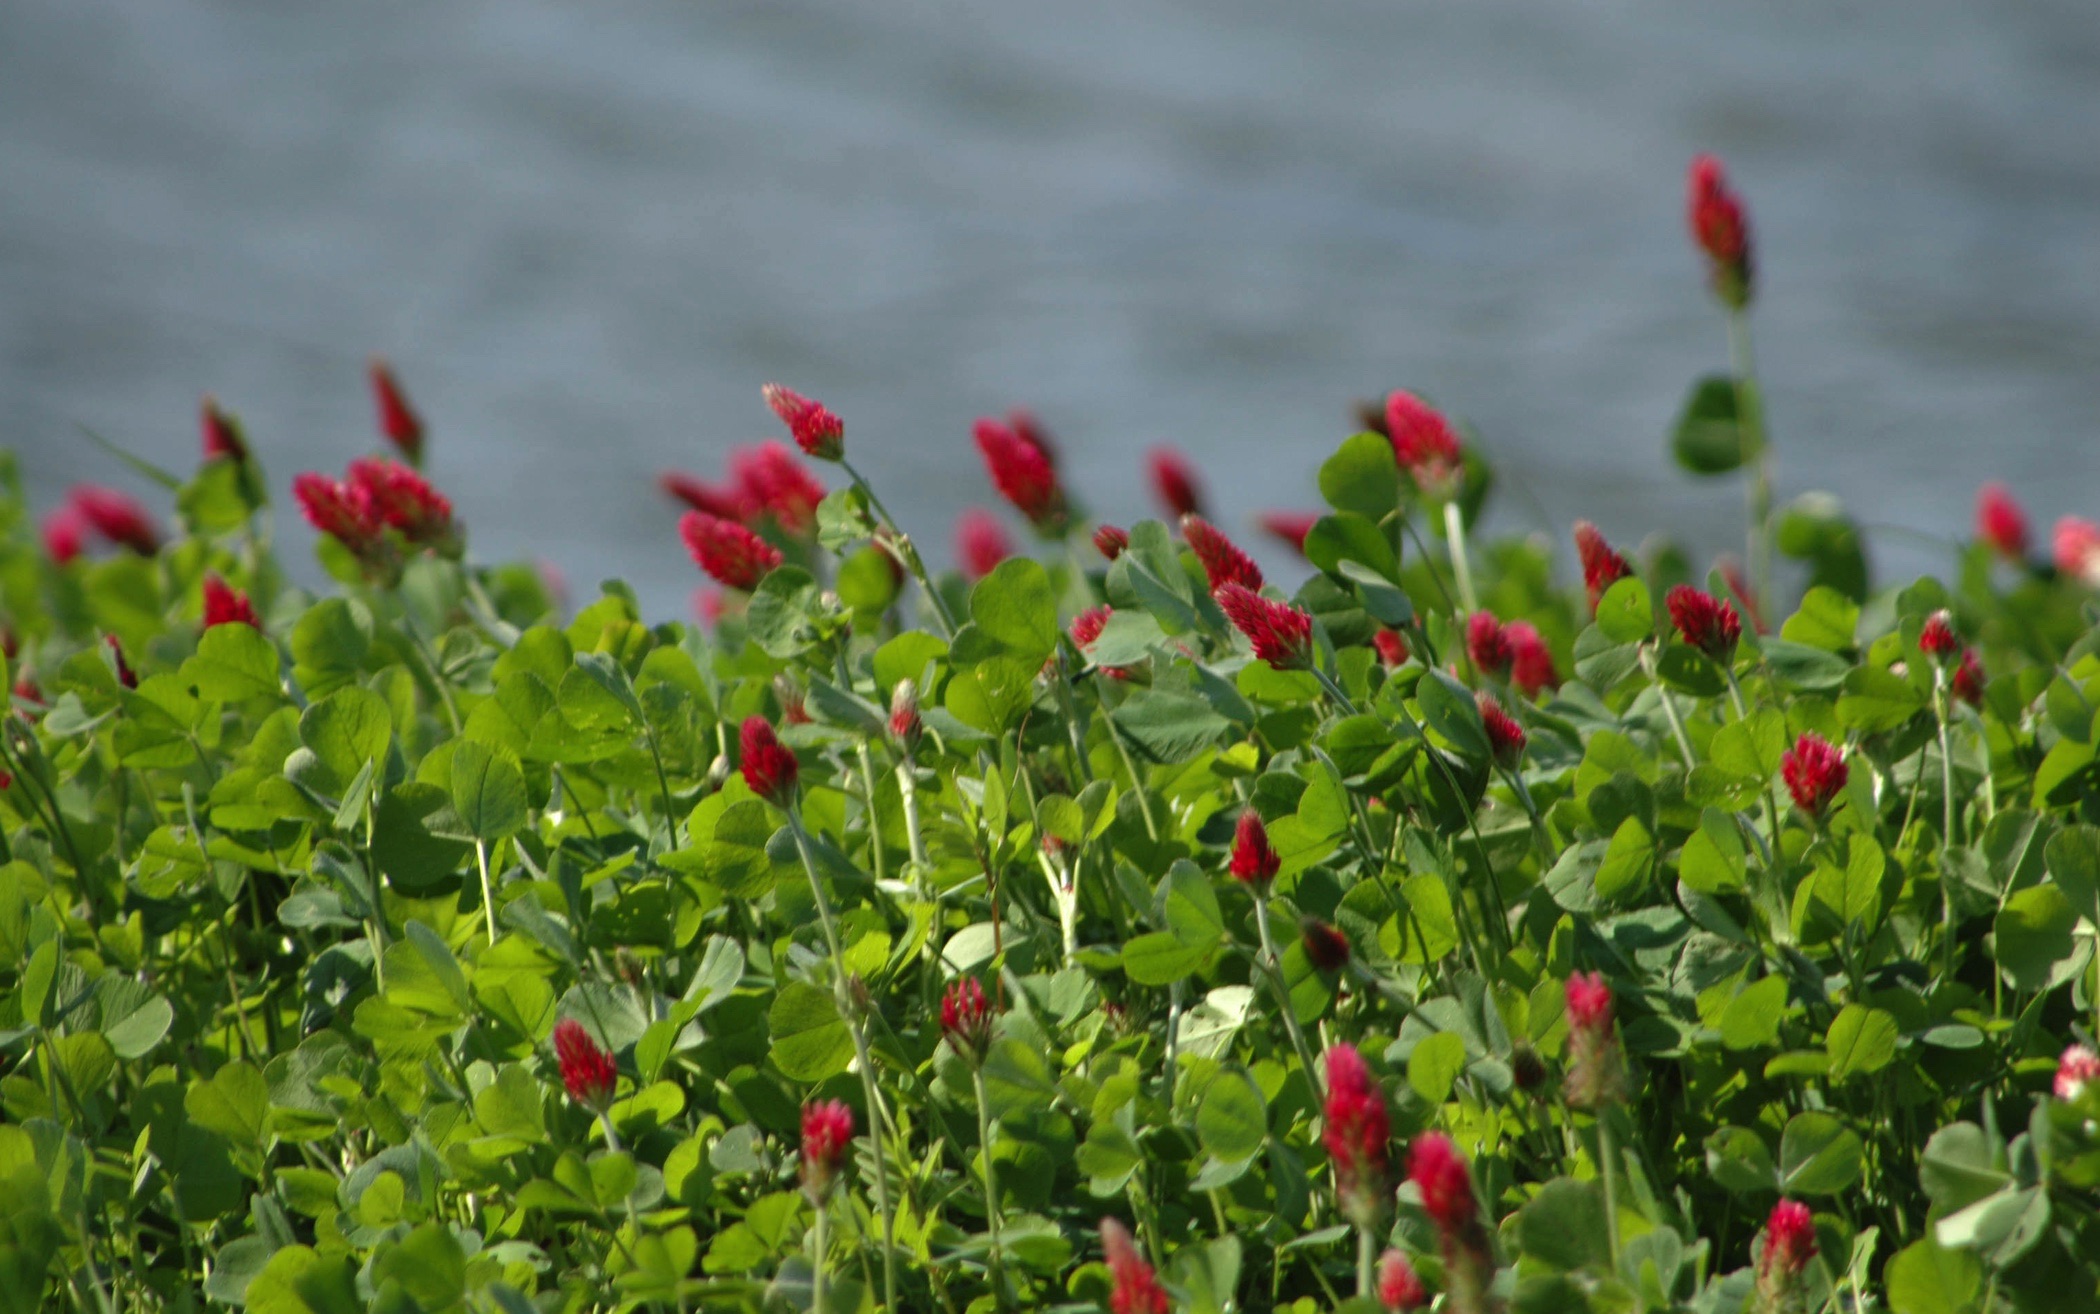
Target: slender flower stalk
x=1440 y=1175
x=827 y=1135
x=1789 y=1245
x=1596 y=1080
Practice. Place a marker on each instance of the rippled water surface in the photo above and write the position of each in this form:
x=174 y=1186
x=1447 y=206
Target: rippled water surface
x=587 y=233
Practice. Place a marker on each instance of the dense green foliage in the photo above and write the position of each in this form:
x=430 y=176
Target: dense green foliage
x=264 y=1044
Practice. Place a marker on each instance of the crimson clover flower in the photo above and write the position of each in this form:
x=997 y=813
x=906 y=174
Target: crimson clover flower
x=2078 y=1068
x=2001 y=522
x=904 y=712
x=1937 y=639
x=1223 y=562
x=967 y=1018
x=1531 y=666
x=1440 y=1174
x=1288 y=527
x=1704 y=621
x=587 y=1071
x=980 y=543
x=1174 y=482
x=1595 y=1077
x=768 y=766
x=2075 y=546
x=1023 y=474
x=1280 y=633
x=1325 y=946
x=1967 y=682
x=815 y=429
x=827 y=1135
x=1391 y=646
x=225 y=605
x=116 y=516
x=1253 y=861
x=1355 y=1133
x=397 y=420
x=1087 y=627
x=1505 y=737
x=731 y=554
x=1133 y=1287
x=1814 y=771
x=1424 y=444
x=1601 y=566
x=1030 y=430
x=65 y=533
x=221 y=433
x=1399 y=1286
x=723 y=503
x=770 y=481
x=1790 y=1242
x=1721 y=230
x=1487 y=643
x=1110 y=541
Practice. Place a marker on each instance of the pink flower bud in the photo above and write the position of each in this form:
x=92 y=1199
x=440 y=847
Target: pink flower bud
x=1110 y=541
x=1814 y=772
x=818 y=432
x=827 y=1137
x=1253 y=861
x=1174 y=483
x=980 y=543
x=225 y=605
x=401 y=425
x=1704 y=621
x=1601 y=567
x=1133 y=1287
x=1506 y=739
x=1023 y=475
x=2000 y=522
x=587 y=1071
x=1425 y=445
x=769 y=767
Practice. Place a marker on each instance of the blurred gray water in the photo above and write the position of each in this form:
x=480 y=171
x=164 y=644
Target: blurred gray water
x=587 y=233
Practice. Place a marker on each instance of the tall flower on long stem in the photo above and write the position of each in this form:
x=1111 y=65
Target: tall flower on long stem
x=816 y=430
x=1789 y=1245
x=768 y=766
x=588 y=1073
x=1596 y=1079
x=1440 y=1175
x=397 y=419
x=967 y=1020
x=827 y=1136
x=1721 y=230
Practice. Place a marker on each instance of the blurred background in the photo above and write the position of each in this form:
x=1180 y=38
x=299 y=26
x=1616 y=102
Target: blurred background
x=586 y=234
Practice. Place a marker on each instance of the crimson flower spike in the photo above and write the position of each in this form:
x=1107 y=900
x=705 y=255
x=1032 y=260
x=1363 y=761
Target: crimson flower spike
x=980 y=543
x=1326 y=947
x=2078 y=1068
x=116 y=516
x=1595 y=1073
x=967 y=1019
x=1814 y=771
x=1937 y=639
x=1440 y=1175
x=1110 y=541
x=587 y=1071
x=1790 y=1243
x=397 y=420
x=817 y=431
x=2075 y=546
x=1288 y=527
x=1355 y=1132
x=1721 y=230
x=1174 y=483
x=700 y=495
x=1023 y=474
x=1425 y=445
x=1601 y=566
x=1505 y=737
x=1487 y=643
x=771 y=481
x=768 y=766
x=1280 y=633
x=1133 y=1287
x=1223 y=562
x=226 y=605
x=2001 y=522
x=731 y=554
x=1253 y=861
x=1391 y=646
x=1531 y=666
x=1400 y=1289
x=65 y=533
x=827 y=1136
x=1704 y=621
x=223 y=440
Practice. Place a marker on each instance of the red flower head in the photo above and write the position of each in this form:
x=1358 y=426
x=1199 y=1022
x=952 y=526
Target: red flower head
x=980 y=543
x=1325 y=946
x=1030 y=430
x=1967 y=683
x=827 y=1135
x=222 y=434
x=1288 y=527
x=1531 y=662
x=1790 y=1242
x=117 y=517
x=1440 y=1174
x=1601 y=566
x=1110 y=541
x=1391 y=646
x=1023 y=475
x=125 y=675
x=1087 y=627
x=1281 y=634
x=1253 y=861
x=2078 y=1068
x=1425 y=444
x=2000 y=522
x=401 y=425
x=1594 y=1077
x=1487 y=643
x=1174 y=483
x=1704 y=621
x=1721 y=230
x=1814 y=772
x=1223 y=562
x=770 y=480
x=389 y=495
x=967 y=1018
x=2076 y=545
x=65 y=532
x=225 y=605
x=586 y=1070
x=1938 y=640
x=1355 y=1134
x=1505 y=737
x=818 y=432
x=1134 y=1287
x=769 y=767
x=904 y=713
x=721 y=503
x=1399 y=1288
x=731 y=554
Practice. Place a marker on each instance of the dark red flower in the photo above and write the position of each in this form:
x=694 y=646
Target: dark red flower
x=904 y=712
x=1223 y=562
x=980 y=542
x=1721 y=230
x=1531 y=662
x=125 y=675
x=1023 y=475
x=1289 y=527
x=1438 y=1171
x=771 y=481
x=1254 y=862
x=1087 y=627
x=2075 y=545
x=1424 y=443
x=222 y=434
x=1030 y=430
x=1937 y=639
x=818 y=432
x=1280 y=633
x=1391 y=646
x=2078 y=1068
x=1487 y=643
x=116 y=516
x=1814 y=772
x=1174 y=483
x=1967 y=682
x=731 y=554
x=1110 y=541
x=1505 y=737
x=1595 y=1076
x=1355 y=1132
x=715 y=500
x=65 y=533
x=1325 y=946
x=401 y=425
x=586 y=1070
x=967 y=1018
x=1704 y=621
x=389 y=495
x=1399 y=1287
x=1790 y=1242
x=1133 y=1287
x=1739 y=584
x=827 y=1136
x=1601 y=566
x=225 y=605
x=2000 y=522
x=769 y=767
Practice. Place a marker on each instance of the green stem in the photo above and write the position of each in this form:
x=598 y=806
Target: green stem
x=1137 y=783
x=912 y=562
x=1274 y=967
x=867 y=776
x=908 y=792
x=991 y=1187
x=1366 y=1264
x=488 y=890
x=1461 y=568
x=818 y=1250
x=1669 y=706
x=1758 y=491
x=1940 y=710
x=1607 y=1167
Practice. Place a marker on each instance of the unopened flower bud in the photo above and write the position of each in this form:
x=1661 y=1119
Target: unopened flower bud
x=904 y=713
